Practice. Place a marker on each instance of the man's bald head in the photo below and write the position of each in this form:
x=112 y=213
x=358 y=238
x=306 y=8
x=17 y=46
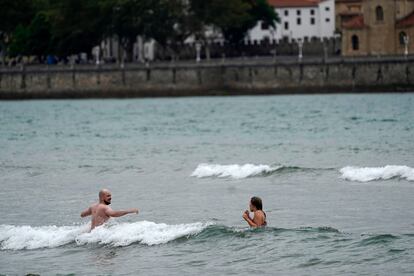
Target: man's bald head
x=105 y=196
x=103 y=192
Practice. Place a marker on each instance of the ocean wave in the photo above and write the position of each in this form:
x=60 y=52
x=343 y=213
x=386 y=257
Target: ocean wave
x=365 y=174
x=122 y=234
x=150 y=233
x=378 y=239
x=232 y=171
x=321 y=229
x=222 y=232
x=28 y=237
x=236 y=171
x=144 y=232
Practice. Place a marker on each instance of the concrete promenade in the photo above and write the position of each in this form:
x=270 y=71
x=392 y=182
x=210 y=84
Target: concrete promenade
x=253 y=76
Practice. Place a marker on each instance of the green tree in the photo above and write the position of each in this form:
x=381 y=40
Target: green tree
x=234 y=18
x=76 y=25
x=161 y=20
x=40 y=36
x=13 y=13
x=258 y=10
x=32 y=40
x=170 y=26
x=66 y=27
x=18 y=46
x=128 y=20
x=221 y=14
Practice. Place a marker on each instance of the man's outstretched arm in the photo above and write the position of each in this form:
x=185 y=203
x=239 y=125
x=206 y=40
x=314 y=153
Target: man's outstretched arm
x=111 y=213
x=86 y=213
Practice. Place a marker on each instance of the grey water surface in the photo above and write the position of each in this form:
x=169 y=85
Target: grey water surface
x=56 y=155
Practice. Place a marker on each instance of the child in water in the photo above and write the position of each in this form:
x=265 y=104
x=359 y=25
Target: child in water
x=259 y=216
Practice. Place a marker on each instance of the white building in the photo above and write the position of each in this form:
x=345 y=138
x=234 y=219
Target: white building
x=299 y=20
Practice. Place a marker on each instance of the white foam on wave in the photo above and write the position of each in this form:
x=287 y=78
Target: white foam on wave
x=232 y=171
x=122 y=234
x=28 y=237
x=144 y=232
x=365 y=174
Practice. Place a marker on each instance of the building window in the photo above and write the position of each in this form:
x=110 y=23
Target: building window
x=379 y=13
x=312 y=12
x=286 y=25
x=355 y=42
x=298 y=12
x=286 y=12
x=327 y=20
x=402 y=37
x=265 y=26
x=298 y=21
x=327 y=9
x=312 y=21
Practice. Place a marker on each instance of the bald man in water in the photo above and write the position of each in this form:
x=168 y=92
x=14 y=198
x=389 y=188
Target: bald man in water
x=101 y=211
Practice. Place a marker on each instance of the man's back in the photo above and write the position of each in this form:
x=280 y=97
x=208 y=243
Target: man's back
x=99 y=215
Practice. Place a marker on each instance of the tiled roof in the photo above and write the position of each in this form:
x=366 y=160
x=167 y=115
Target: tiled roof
x=356 y=22
x=293 y=3
x=406 y=21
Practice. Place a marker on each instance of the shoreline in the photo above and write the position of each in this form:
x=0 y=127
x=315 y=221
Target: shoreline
x=69 y=95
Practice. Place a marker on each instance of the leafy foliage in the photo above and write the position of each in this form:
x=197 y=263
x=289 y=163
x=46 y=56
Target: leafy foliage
x=232 y=17
x=66 y=27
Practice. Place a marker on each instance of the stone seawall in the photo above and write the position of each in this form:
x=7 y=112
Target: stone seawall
x=396 y=75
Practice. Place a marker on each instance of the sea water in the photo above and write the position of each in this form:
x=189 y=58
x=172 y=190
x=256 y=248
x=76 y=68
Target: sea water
x=335 y=173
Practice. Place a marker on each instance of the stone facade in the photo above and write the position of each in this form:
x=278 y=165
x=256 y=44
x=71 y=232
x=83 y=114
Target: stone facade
x=209 y=79
x=375 y=27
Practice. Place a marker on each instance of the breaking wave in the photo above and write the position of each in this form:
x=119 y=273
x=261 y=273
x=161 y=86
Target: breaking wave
x=232 y=171
x=236 y=171
x=365 y=174
x=150 y=233
x=122 y=234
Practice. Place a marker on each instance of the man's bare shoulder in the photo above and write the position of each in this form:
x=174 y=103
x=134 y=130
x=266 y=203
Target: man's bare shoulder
x=102 y=207
x=99 y=207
